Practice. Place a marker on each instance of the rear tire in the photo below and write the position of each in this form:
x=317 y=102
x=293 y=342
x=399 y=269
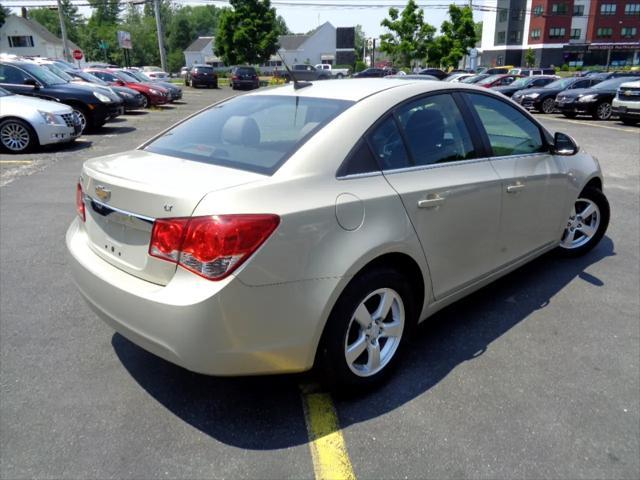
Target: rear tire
x=365 y=332
x=17 y=136
x=587 y=223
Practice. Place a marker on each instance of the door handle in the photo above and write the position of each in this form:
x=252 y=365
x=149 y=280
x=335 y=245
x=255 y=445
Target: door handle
x=515 y=188
x=431 y=202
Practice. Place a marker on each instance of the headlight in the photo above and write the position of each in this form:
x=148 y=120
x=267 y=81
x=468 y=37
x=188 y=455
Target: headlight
x=155 y=92
x=101 y=97
x=50 y=118
x=588 y=98
x=532 y=95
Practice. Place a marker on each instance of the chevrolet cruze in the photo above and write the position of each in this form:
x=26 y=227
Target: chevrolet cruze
x=310 y=225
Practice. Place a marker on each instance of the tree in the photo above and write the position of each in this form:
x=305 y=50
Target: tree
x=4 y=12
x=459 y=35
x=282 y=27
x=105 y=12
x=247 y=33
x=530 y=57
x=409 y=36
x=360 y=39
x=48 y=18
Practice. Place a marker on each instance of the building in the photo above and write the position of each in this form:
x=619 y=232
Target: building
x=573 y=32
x=201 y=51
x=25 y=37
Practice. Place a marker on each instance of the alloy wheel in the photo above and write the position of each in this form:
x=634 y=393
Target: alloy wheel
x=582 y=225
x=548 y=106
x=604 y=111
x=374 y=332
x=15 y=136
x=83 y=119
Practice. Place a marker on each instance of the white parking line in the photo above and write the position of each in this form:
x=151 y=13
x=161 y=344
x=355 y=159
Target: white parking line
x=583 y=122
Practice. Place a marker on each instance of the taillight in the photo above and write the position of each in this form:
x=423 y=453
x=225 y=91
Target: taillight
x=80 y=203
x=235 y=77
x=214 y=246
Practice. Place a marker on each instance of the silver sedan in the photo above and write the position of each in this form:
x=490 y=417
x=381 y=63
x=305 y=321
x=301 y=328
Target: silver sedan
x=313 y=225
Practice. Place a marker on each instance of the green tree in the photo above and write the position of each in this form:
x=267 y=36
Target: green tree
x=530 y=58
x=248 y=33
x=4 y=12
x=48 y=18
x=459 y=35
x=360 y=39
x=105 y=12
x=281 y=26
x=409 y=35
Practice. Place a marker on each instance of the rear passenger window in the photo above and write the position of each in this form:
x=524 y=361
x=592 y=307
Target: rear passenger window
x=361 y=160
x=581 y=84
x=509 y=131
x=435 y=131
x=388 y=146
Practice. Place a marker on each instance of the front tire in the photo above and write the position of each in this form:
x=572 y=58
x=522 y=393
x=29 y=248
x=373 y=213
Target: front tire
x=548 y=105
x=365 y=332
x=603 y=111
x=17 y=136
x=84 y=119
x=587 y=223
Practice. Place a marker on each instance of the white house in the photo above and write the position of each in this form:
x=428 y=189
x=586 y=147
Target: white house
x=318 y=47
x=23 y=36
x=201 y=51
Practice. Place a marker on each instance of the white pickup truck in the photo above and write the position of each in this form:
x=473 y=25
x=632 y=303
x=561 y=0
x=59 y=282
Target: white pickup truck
x=334 y=72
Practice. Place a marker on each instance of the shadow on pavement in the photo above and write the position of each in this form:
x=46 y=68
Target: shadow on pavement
x=264 y=413
x=107 y=130
x=135 y=113
x=78 y=144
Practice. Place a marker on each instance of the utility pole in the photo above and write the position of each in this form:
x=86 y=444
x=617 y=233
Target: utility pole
x=163 y=53
x=373 y=54
x=63 y=29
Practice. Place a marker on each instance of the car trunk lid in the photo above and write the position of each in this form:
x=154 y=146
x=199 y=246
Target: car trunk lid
x=125 y=193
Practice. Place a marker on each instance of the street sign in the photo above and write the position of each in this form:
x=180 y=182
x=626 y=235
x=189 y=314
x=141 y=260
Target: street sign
x=77 y=54
x=124 y=39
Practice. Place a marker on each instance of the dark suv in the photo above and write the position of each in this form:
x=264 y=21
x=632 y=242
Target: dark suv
x=244 y=77
x=94 y=106
x=201 y=75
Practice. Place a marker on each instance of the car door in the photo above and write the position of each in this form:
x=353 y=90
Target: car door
x=450 y=192
x=534 y=182
x=13 y=79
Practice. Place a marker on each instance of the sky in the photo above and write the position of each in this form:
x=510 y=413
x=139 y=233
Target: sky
x=301 y=19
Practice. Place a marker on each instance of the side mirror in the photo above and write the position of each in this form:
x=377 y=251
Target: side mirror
x=32 y=82
x=563 y=144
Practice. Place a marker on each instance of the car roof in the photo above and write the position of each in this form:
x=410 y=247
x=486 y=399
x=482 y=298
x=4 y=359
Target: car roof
x=356 y=89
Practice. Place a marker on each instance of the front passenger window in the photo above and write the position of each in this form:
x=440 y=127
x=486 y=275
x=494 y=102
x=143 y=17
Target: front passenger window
x=509 y=131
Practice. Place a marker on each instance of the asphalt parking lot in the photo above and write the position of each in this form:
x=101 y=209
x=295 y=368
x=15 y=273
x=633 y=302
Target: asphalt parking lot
x=535 y=376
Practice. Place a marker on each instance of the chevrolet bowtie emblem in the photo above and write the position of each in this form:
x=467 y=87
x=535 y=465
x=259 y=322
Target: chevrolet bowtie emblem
x=103 y=193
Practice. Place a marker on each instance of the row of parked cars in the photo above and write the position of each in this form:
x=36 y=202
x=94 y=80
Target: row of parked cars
x=46 y=101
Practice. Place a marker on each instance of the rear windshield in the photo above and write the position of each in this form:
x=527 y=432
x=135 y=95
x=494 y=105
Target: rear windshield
x=255 y=133
x=204 y=69
x=245 y=71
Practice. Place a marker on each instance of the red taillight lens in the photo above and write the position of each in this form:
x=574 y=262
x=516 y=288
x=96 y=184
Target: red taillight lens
x=212 y=247
x=235 y=77
x=80 y=203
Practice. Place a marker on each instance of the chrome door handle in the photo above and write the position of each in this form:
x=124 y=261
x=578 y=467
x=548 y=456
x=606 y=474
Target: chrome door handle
x=431 y=202
x=515 y=188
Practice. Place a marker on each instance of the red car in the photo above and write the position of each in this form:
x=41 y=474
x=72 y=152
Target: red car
x=154 y=94
x=499 y=80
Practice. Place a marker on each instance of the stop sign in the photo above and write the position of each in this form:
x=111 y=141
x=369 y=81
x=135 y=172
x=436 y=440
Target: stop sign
x=77 y=54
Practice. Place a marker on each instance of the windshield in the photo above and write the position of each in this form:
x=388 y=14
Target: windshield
x=613 y=83
x=90 y=78
x=43 y=75
x=521 y=82
x=126 y=77
x=563 y=83
x=475 y=78
x=492 y=78
x=4 y=93
x=255 y=133
x=56 y=71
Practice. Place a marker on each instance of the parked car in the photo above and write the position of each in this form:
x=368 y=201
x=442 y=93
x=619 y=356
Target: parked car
x=27 y=122
x=595 y=101
x=244 y=76
x=475 y=78
x=626 y=104
x=416 y=76
x=525 y=83
x=334 y=72
x=587 y=73
x=371 y=72
x=498 y=70
x=543 y=99
x=156 y=73
x=498 y=80
x=183 y=72
x=153 y=94
x=434 y=72
x=607 y=75
x=175 y=92
x=232 y=244
x=93 y=107
x=305 y=72
x=132 y=99
x=458 y=77
x=201 y=75
x=527 y=72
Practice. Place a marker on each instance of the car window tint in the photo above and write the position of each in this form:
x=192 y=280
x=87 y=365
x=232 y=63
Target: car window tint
x=581 y=84
x=10 y=74
x=435 y=130
x=360 y=160
x=509 y=131
x=388 y=146
x=256 y=133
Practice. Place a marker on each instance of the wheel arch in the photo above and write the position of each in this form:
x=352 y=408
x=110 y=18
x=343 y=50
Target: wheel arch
x=29 y=124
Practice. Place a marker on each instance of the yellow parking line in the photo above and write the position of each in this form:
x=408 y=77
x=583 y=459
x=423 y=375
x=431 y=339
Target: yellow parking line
x=16 y=162
x=578 y=122
x=328 y=448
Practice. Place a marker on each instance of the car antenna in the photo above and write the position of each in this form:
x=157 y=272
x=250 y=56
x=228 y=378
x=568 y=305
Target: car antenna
x=296 y=84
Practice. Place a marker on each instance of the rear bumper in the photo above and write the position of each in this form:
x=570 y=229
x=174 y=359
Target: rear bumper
x=204 y=81
x=215 y=328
